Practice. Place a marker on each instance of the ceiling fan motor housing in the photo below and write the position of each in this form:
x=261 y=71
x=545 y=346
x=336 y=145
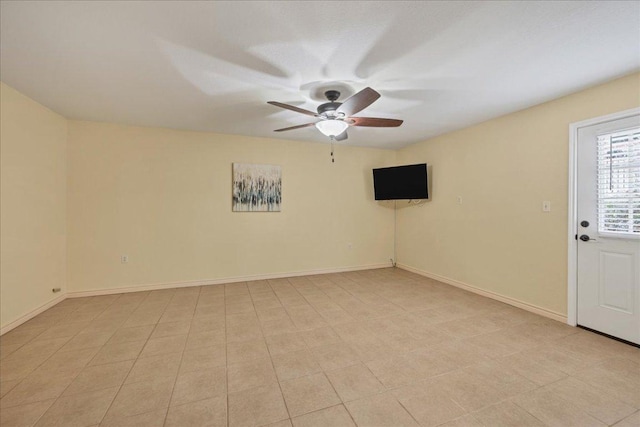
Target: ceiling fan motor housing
x=328 y=108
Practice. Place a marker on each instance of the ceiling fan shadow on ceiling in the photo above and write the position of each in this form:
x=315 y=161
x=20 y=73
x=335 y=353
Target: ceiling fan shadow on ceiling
x=336 y=117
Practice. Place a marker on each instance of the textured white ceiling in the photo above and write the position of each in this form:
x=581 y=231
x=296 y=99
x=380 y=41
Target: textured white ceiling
x=211 y=66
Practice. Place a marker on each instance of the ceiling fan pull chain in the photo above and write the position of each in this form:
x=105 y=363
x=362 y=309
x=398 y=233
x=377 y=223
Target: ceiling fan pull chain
x=332 y=159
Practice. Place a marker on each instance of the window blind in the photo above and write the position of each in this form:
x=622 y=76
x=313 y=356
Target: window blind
x=619 y=182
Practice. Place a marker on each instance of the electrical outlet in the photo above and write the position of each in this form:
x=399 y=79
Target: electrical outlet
x=350 y=246
x=124 y=259
x=459 y=200
x=546 y=206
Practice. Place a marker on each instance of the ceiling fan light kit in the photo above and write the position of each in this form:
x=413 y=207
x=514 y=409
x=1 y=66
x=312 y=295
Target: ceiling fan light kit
x=332 y=128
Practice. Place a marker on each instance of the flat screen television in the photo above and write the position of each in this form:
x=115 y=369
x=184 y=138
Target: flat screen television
x=401 y=182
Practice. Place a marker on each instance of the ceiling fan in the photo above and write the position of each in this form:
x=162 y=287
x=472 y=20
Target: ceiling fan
x=335 y=117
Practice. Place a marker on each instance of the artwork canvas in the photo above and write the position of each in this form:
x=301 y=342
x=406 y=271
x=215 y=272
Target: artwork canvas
x=256 y=188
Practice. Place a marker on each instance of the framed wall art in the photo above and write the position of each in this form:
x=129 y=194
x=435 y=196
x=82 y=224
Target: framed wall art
x=256 y=188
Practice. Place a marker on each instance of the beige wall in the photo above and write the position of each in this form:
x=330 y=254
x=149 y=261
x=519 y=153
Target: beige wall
x=33 y=161
x=498 y=239
x=163 y=198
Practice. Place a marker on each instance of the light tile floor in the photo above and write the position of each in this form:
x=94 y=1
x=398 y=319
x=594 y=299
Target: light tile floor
x=372 y=348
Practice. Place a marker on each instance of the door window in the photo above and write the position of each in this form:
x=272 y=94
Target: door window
x=619 y=183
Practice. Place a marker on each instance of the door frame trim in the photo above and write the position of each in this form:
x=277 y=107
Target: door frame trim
x=572 y=245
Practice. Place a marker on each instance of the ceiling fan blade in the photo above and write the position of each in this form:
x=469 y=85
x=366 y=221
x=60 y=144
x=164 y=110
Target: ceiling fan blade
x=342 y=136
x=293 y=108
x=358 y=102
x=375 y=122
x=295 y=127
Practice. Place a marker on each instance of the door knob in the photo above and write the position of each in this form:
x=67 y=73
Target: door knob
x=586 y=238
x=584 y=224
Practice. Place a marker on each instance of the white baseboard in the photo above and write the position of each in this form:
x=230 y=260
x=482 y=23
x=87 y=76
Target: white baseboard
x=221 y=281
x=507 y=300
x=30 y=315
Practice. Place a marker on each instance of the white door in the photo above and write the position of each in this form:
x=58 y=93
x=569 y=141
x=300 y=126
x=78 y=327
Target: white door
x=608 y=229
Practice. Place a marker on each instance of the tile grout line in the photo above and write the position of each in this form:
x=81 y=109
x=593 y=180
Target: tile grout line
x=406 y=410
x=226 y=353
x=526 y=410
x=175 y=381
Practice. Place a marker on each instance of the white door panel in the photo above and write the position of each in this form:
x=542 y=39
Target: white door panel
x=616 y=281
x=608 y=240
